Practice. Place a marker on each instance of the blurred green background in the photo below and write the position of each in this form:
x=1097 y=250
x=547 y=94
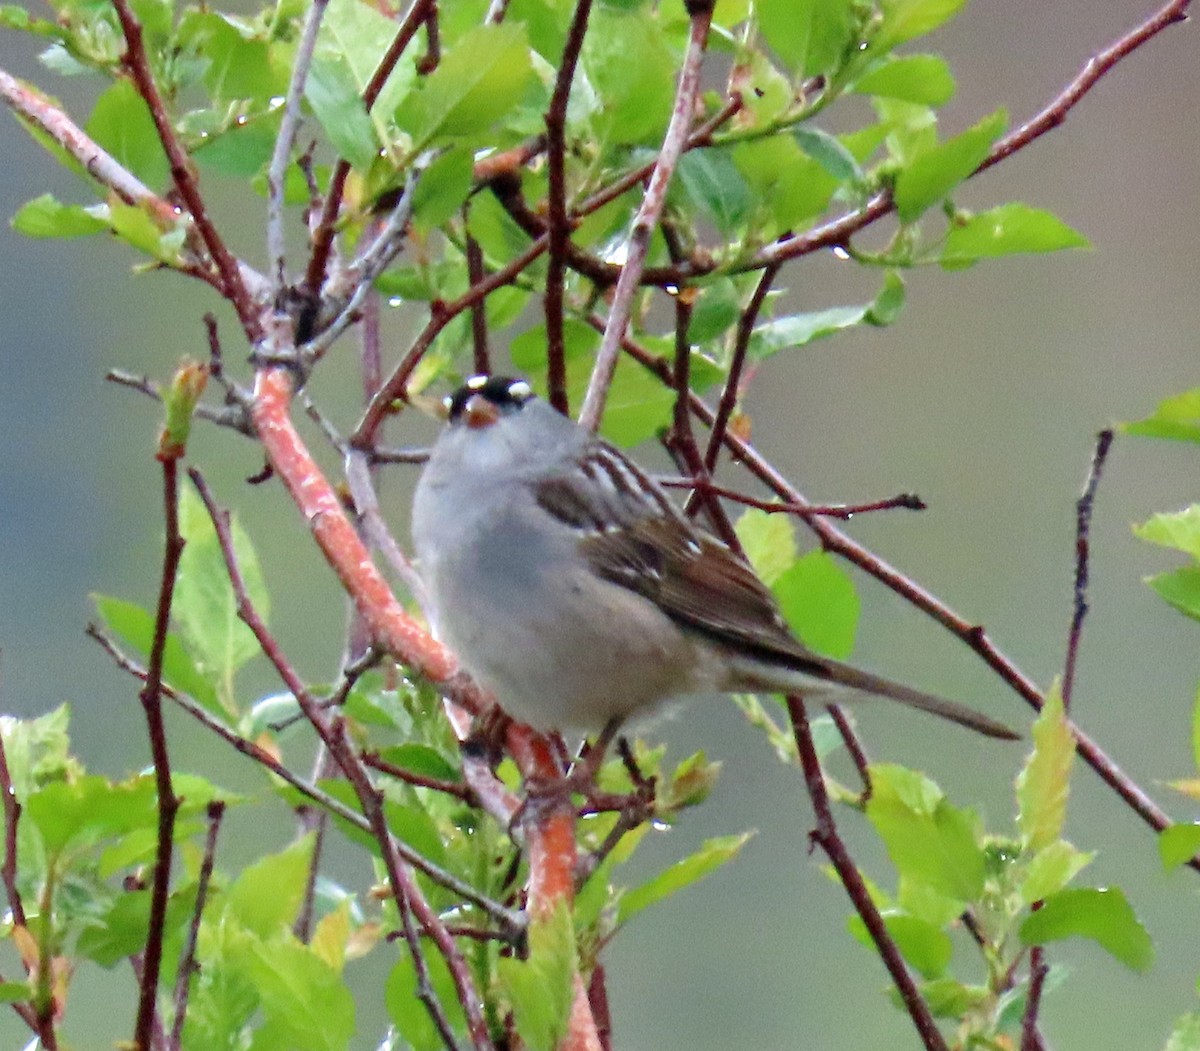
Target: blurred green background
x=984 y=398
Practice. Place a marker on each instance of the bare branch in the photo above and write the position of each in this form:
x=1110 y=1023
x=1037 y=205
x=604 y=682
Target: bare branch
x=286 y=139
x=646 y=220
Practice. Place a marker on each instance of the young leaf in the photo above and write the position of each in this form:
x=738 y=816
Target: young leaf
x=476 y=84
x=799 y=330
x=1179 y=530
x=46 y=216
x=541 y=988
x=38 y=750
x=711 y=856
x=205 y=607
x=1180 y=588
x=406 y=1010
x=1185 y=1036
x=1104 y=915
x=713 y=185
x=337 y=103
x=1178 y=844
x=926 y=947
x=121 y=123
x=830 y=154
x=1043 y=784
x=1009 y=229
x=1176 y=418
x=934 y=173
x=769 y=542
x=1051 y=869
x=818 y=601
x=266 y=895
x=907 y=19
x=928 y=840
x=923 y=79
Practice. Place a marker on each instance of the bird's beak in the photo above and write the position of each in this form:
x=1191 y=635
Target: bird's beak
x=479 y=412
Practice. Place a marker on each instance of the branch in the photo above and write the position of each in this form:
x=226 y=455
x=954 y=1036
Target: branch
x=168 y=802
x=286 y=139
x=187 y=961
x=825 y=835
x=840 y=229
x=646 y=220
x=558 y=224
x=1083 y=521
x=12 y=819
x=183 y=174
x=326 y=228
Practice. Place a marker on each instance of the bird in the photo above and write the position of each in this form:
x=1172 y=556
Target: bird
x=574 y=589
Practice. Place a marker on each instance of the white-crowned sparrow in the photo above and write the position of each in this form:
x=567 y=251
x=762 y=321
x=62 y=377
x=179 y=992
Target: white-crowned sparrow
x=570 y=585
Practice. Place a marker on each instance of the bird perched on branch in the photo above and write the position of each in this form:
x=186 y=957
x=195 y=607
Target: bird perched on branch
x=572 y=588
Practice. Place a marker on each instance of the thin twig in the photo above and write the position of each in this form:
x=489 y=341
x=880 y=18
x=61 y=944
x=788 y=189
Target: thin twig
x=411 y=777
x=233 y=416
x=646 y=220
x=183 y=174
x=326 y=228
x=187 y=960
x=1083 y=523
x=733 y=381
x=168 y=803
x=826 y=836
x=1031 y=1039
x=366 y=505
x=481 y=361
x=773 y=506
x=557 y=222
x=441 y=314
x=286 y=139
x=508 y=919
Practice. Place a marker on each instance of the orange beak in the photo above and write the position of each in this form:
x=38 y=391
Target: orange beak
x=479 y=412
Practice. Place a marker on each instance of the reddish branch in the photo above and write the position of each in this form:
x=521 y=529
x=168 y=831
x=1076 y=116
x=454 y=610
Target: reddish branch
x=826 y=836
x=557 y=222
x=168 y=803
x=183 y=174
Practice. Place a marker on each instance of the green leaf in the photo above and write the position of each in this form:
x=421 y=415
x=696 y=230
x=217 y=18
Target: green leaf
x=926 y=947
x=769 y=542
x=712 y=183
x=408 y=1013
x=1180 y=588
x=422 y=759
x=830 y=154
x=266 y=896
x=786 y=26
x=205 y=607
x=121 y=123
x=1051 y=869
x=1176 y=418
x=90 y=809
x=907 y=19
x=360 y=35
x=1185 y=1036
x=1009 y=229
x=934 y=173
x=1179 y=530
x=136 y=227
x=1044 y=782
x=798 y=330
x=442 y=189
x=1104 y=915
x=476 y=85
x=45 y=216
x=38 y=750
x=818 y=600
x=541 y=988
x=928 y=840
x=717 y=308
x=630 y=66
x=1178 y=844
x=791 y=187
x=238 y=68
x=924 y=79
x=136 y=627
x=948 y=997
x=305 y=1003
x=13 y=992
x=337 y=103
x=711 y=856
